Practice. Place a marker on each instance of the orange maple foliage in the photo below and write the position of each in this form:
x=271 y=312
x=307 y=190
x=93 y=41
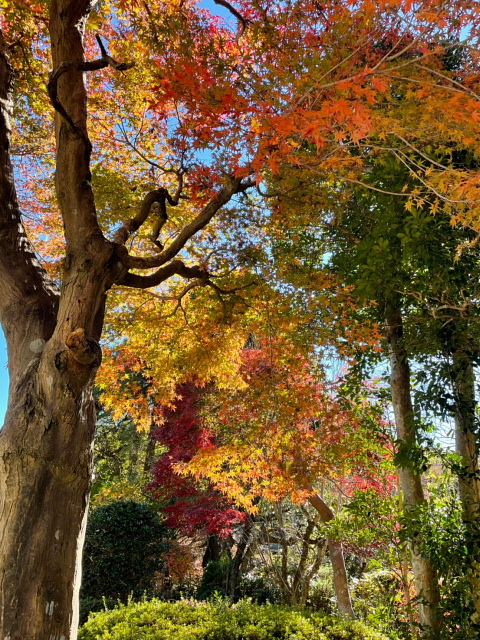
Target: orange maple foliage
x=297 y=96
x=286 y=430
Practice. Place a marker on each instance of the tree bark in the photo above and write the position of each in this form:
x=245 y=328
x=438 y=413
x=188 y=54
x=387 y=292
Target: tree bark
x=467 y=447
x=149 y=458
x=425 y=577
x=466 y=444
x=53 y=353
x=340 y=579
x=237 y=560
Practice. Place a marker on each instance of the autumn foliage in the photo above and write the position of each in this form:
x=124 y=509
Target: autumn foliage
x=186 y=148
x=192 y=508
x=281 y=433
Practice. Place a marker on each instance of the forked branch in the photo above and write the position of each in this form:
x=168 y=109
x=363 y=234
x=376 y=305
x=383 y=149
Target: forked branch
x=160 y=196
x=243 y=21
x=78 y=65
x=176 y=267
x=234 y=185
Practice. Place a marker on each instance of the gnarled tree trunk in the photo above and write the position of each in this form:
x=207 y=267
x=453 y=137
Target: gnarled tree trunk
x=425 y=576
x=53 y=353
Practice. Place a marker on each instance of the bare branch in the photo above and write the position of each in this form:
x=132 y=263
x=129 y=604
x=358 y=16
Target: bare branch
x=235 y=185
x=243 y=21
x=78 y=65
x=159 y=196
x=176 y=267
x=220 y=290
x=448 y=79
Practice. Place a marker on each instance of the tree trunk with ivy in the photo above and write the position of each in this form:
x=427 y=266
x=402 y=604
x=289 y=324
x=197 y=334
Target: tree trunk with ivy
x=425 y=576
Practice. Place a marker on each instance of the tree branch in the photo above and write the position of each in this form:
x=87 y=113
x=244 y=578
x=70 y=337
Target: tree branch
x=176 y=267
x=28 y=298
x=243 y=21
x=93 y=65
x=159 y=196
x=234 y=186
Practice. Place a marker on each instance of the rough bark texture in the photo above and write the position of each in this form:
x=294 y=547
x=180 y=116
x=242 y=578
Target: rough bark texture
x=46 y=441
x=340 y=579
x=425 y=577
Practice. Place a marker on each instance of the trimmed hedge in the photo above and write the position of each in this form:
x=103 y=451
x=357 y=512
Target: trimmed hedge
x=189 y=620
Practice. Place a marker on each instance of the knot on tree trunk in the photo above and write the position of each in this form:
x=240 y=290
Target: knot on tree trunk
x=84 y=350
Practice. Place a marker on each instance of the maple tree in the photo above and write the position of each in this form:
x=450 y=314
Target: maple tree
x=191 y=115
x=191 y=509
x=289 y=432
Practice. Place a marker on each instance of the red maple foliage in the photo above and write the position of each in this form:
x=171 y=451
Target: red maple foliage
x=194 y=508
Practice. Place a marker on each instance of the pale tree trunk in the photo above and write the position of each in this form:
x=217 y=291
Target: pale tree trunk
x=53 y=352
x=340 y=579
x=466 y=446
x=425 y=576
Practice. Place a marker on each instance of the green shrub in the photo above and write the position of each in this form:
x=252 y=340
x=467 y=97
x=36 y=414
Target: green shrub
x=321 y=595
x=214 y=579
x=89 y=605
x=188 y=620
x=123 y=551
x=376 y=600
x=258 y=589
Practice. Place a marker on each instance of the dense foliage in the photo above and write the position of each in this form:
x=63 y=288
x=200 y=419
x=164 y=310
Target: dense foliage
x=265 y=227
x=123 y=551
x=157 y=620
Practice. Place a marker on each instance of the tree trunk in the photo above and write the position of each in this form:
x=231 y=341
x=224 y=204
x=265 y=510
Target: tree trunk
x=53 y=354
x=149 y=458
x=237 y=560
x=215 y=548
x=466 y=446
x=53 y=347
x=45 y=464
x=425 y=577
x=340 y=579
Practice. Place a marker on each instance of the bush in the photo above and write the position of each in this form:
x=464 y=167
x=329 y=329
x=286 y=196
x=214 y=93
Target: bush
x=321 y=595
x=188 y=620
x=123 y=552
x=214 y=579
x=376 y=600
